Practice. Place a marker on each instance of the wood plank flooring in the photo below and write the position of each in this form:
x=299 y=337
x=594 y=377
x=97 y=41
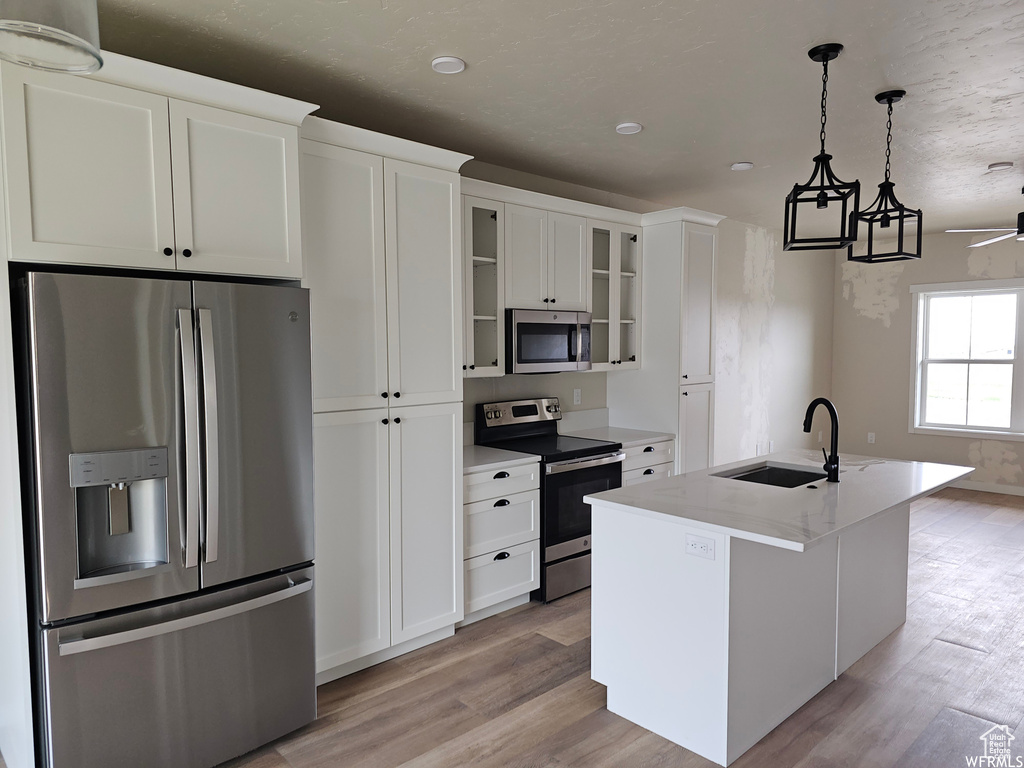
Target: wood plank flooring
x=515 y=689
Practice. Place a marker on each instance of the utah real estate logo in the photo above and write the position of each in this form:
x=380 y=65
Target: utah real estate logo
x=997 y=750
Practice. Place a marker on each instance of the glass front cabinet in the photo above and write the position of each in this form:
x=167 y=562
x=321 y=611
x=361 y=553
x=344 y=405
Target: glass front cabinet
x=614 y=295
x=484 y=286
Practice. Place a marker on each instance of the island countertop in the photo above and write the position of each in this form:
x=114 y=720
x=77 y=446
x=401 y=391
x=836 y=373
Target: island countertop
x=791 y=518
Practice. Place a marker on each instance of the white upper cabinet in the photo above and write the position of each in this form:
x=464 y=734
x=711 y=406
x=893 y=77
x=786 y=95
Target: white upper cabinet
x=697 y=337
x=422 y=235
x=236 y=192
x=343 y=243
x=545 y=259
x=614 y=295
x=103 y=174
x=484 y=286
x=88 y=171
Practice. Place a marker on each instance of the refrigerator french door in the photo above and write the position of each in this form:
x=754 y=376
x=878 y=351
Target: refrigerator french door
x=172 y=442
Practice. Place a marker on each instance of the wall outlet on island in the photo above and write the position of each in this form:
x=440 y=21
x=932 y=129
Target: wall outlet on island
x=871 y=438
x=699 y=546
x=577 y=396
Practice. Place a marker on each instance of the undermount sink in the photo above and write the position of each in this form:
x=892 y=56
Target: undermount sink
x=780 y=477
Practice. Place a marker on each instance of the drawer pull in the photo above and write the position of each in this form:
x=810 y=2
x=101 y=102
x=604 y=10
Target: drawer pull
x=649 y=449
x=501 y=475
x=648 y=471
x=501 y=556
x=501 y=503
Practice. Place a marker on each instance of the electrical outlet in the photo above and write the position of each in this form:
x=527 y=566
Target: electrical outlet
x=771 y=446
x=698 y=546
x=871 y=438
x=577 y=396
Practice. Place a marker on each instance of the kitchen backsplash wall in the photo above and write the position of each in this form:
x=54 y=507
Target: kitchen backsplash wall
x=593 y=390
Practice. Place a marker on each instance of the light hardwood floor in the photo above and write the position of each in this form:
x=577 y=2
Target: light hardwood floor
x=515 y=690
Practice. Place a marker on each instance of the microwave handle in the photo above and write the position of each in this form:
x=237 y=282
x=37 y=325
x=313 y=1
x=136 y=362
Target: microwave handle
x=579 y=341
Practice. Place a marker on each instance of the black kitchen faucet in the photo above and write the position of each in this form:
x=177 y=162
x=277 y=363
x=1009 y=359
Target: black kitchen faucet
x=831 y=461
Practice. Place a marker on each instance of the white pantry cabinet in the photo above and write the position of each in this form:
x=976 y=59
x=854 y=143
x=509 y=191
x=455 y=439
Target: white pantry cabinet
x=389 y=528
x=615 y=275
x=102 y=174
x=545 y=259
x=697 y=336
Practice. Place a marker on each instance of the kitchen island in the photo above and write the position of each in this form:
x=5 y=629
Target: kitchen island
x=721 y=606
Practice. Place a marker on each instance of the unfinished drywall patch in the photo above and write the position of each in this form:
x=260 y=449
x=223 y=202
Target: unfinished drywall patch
x=873 y=288
x=997 y=261
x=996 y=462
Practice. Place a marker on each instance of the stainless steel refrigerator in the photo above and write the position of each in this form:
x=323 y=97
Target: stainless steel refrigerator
x=169 y=423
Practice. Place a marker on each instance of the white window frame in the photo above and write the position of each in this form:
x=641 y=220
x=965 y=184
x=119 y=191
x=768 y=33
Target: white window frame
x=921 y=293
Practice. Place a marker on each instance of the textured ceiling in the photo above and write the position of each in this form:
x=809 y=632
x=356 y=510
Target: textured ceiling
x=713 y=82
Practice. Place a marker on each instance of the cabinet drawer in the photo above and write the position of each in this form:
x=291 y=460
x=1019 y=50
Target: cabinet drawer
x=646 y=474
x=505 y=522
x=649 y=454
x=500 y=483
x=492 y=578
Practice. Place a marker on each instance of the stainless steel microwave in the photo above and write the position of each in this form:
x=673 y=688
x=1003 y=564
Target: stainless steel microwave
x=540 y=341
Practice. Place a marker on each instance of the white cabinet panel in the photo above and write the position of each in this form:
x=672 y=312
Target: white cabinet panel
x=502 y=575
x=353 y=596
x=424 y=265
x=646 y=474
x=495 y=523
x=501 y=483
x=698 y=306
x=236 y=192
x=88 y=171
x=696 y=427
x=426 y=519
x=343 y=243
x=639 y=456
x=526 y=258
x=568 y=272
x=483 y=286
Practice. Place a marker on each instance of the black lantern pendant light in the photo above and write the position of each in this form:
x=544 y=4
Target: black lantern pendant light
x=823 y=187
x=886 y=211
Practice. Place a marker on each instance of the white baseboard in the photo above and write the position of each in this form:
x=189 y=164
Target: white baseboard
x=970 y=485
x=387 y=654
x=494 y=610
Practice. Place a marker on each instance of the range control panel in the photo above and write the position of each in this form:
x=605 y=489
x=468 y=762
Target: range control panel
x=521 y=411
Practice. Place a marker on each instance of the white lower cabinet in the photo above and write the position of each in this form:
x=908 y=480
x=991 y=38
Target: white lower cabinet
x=696 y=427
x=389 y=528
x=499 y=576
x=652 y=461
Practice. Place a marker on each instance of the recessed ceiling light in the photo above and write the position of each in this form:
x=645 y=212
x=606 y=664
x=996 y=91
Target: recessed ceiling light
x=1003 y=166
x=628 y=128
x=742 y=166
x=448 y=65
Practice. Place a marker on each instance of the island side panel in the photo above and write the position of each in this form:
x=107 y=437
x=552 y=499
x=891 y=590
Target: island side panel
x=782 y=634
x=659 y=628
x=872 y=583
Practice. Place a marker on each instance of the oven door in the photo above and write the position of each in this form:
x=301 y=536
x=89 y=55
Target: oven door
x=566 y=516
x=547 y=342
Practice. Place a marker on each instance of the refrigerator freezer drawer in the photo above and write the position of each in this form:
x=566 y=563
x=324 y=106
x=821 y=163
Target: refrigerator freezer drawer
x=193 y=683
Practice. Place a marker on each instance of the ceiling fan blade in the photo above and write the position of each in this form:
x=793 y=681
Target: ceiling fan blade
x=993 y=240
x=997 y=229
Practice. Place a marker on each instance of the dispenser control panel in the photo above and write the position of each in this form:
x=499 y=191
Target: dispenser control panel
x=112 y=467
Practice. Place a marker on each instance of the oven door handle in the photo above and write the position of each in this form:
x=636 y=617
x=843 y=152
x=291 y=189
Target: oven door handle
x=574 y=464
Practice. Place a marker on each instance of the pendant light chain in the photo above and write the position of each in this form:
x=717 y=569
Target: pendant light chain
x=824 y=100
x=888 y=141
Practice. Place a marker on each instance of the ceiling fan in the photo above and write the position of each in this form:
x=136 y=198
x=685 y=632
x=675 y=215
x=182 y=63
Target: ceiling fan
x=1011 y=232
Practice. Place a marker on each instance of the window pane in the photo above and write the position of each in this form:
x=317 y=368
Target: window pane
x=946 y=398
x=993 y=326
x=990 y=391
x=949 y=328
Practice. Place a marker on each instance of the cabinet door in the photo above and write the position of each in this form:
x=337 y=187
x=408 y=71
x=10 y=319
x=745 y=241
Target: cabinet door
x=353 y=592
x=696 y=427
x=422 y=232
x=602 y=297
x=568 y=270
x=484 y=286
x=343 y=240
x=628 y=284
x=236 y=192
x=426 y=519
x=88 y=171
x=526 y=258
x=698 y=311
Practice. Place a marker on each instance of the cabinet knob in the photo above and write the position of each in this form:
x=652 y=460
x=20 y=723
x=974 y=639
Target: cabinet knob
x=552 y=301
x=398 y=394
x=186 y=253
x=649 y=449
x=383 y=421
x=501 y=475
x=502 y=556
x=168 y=251
x=472 y=367
x=632 y=358
x=686 y=394
x=685 y=376
x=546 y=300
x=648 y=471
x=398 y=420
x=383 y=394
x=501 y=503
x=463 y=367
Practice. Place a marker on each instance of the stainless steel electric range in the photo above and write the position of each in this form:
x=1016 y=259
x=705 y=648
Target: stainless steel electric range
x=570 y=468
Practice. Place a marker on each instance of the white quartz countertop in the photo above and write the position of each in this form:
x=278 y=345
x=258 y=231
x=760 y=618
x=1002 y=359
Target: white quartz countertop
x=792 y=518
x=479 y=457
x=628 y=437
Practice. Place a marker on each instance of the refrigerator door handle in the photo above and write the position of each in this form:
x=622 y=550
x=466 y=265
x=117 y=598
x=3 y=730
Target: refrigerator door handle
x=86 y=644
x=212 y=505
x=191 y=397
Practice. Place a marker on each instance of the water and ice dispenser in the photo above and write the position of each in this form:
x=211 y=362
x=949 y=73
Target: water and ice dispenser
x=121 y=511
